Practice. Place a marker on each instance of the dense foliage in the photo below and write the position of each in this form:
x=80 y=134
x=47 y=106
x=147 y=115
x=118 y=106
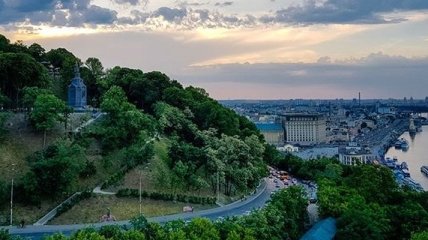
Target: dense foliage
x=365 y=200
x=207 y=144
x=53 y=172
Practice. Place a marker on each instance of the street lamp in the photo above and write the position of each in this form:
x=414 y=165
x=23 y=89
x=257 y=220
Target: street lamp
x=141 y=173
x=218 y=187
x=11 y=197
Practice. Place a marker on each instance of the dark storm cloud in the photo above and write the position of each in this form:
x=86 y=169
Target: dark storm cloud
x=223 y=4
x=92 y=15
x=171 y=14
x=54 y=12
x=345 y=11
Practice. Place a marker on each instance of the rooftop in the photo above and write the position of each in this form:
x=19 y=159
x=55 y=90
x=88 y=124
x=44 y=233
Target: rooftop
x=267 y=127
x=323 y=230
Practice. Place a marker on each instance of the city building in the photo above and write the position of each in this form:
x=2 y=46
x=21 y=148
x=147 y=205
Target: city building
x=305 y=129
x=273 y=132
x=77 y=91
x=288 y=148
x=355 y=155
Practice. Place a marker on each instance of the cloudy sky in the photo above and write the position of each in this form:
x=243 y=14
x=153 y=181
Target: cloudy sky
x=243 y=49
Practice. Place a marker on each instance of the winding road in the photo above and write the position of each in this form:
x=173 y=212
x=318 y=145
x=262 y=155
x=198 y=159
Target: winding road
x=238 y=208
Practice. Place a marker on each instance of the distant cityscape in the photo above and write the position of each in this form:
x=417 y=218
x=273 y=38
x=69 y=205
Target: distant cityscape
x=354 y=131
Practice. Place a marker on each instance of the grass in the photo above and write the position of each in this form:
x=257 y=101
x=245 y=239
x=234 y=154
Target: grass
x=29 y=214
x=91 y=210
x=21 y=141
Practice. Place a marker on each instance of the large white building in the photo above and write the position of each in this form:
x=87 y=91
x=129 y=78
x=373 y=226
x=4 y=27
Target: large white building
x=355 y=155
x=305 y=129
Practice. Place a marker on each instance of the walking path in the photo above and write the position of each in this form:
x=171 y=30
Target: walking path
x=237 y=208
x=98 y=190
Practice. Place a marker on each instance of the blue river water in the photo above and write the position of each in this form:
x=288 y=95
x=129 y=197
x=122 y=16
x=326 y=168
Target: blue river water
x=416 y=156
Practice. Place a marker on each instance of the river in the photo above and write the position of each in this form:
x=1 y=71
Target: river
x=415 y=156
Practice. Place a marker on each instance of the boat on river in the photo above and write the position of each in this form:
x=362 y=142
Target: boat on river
x=401 y=144
x=424 y=170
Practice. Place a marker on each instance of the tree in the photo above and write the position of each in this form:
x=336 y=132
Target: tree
x=57 y=168
x=201 y=229
x=87 y=234
x=47 y=111
x=95 y=66
x=420 y=236
x=56 y=236
x=363 y=221
x=4 y=43
x=65 y=61
x=407 y=217
x=133 y=235
x=92 y=74
x=124 y=121
x=139 y=223
x=37 y=52
x=19 y=70
x=30 y=95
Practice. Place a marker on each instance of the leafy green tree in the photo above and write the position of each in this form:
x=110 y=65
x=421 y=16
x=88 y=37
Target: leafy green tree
x=363 y=220
x=155 y=231
x=420 y=236
x=333 y=171
x=56 y=236
x=30 y=95
x=48 y=110
x=133 y=235
x=243 y=164
x=92 y=72
x=87 y=234
x=374 y=183
x=407 y=217
x=201 y=229
x=139 y=223
x=95 y=66
x=111 y=232
x=290 y=205
x=123 y=122
x=4 y=44
x=65 y=61
x=57 y=168
x=37 y=52
x=19 y=70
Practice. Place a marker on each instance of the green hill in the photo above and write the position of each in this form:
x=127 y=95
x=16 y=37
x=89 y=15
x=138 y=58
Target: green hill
x=181 y=137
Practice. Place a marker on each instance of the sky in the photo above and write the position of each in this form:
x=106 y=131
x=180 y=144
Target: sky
x=243 y=49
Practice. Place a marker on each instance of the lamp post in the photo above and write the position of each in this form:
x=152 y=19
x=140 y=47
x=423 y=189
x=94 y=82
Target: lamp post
x=141 y=173
x=218 y=187
x=11 y=197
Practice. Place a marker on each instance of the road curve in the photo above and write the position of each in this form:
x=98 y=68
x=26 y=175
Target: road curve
x=238 y=208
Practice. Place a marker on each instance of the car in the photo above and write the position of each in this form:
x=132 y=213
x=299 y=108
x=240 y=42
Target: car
x=275 y=181
x=277 y=186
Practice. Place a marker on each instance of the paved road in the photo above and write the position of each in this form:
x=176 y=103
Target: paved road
x=255 y=201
